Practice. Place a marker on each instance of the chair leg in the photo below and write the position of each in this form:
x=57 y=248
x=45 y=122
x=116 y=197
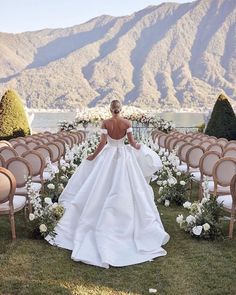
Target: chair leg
x=191 y=188
x=13 y=226
x=231 y=226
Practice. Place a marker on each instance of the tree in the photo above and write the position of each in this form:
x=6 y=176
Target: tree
x=13 y=119
x=223 y=120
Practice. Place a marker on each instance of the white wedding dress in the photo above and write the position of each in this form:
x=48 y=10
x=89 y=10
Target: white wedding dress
x=110 y=216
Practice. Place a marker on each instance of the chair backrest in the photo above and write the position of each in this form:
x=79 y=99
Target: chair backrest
x=56 y=153
x=222 y=141
x=167 y=139
x=229 y=152
x=62 y=146
x=215 y=147
x=193 y=156
x=224 y=170
x=36 y=161
x=188 y=138
x=205 y=144
x=45 y=151
x=13 y=141
x=67 y=140
x=212 y=139
x=207 y=162
x=182 y=151
x=5 y=143
x=32 y=144
x=7 y=152
x=83 y=134
x=233 y=191
x=21 y=139
x=177 y=144
x=161 y=140
x=231 y=143
x=7 y=187
x=21 y=169
x=196 y=141
x=171 y=143
x=20 y=148
x=2 y=161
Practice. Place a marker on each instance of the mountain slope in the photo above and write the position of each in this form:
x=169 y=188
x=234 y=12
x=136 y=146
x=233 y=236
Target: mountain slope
x=166 y=56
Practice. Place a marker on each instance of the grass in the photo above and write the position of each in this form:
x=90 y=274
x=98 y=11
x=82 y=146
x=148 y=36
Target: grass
x=191 y=267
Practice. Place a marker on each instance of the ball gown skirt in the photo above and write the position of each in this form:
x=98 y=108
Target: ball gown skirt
x=110 y=216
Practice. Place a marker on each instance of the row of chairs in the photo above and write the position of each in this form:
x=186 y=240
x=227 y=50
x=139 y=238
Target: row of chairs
x=216 y=160
x=18 y=163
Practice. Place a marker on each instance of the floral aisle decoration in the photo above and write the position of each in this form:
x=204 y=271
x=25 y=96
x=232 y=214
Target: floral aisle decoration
x=139 y=117
x=203 y=220
x=45 y=214
x=173 y=184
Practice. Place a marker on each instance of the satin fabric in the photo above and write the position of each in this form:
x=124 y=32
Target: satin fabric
x=110 y=216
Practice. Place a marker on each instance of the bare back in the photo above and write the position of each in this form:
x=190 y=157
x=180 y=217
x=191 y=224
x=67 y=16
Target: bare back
x=116 y=127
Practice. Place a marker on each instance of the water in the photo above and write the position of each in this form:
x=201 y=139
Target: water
x=48 y=121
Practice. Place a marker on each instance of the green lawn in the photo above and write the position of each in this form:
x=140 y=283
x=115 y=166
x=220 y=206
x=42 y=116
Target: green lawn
x=190 y=267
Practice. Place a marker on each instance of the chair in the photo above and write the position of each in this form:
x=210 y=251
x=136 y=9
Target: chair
x=37 y=163
x=2 y=161
x=20 y=148
x=7 y=152
x=229 y=204
x=215 y=147
x=45 y=151
x=5 y=143
x=229 y=152
x=223 y=172
x=62 y=147
x=22 y=170
x=222 y=141
x=206 y=165
x=205 y=144
x=32 y=144
x=188 y=138
x=231 y=143
x=182 y=153
x=9 y=202
x=55 y=151
x=196 y=141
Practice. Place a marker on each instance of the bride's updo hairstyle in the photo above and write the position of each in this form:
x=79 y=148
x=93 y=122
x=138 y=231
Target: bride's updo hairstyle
x=115 y=106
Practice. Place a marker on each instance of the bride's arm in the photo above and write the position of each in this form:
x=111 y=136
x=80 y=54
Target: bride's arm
x=102 y=143
x=132 y=141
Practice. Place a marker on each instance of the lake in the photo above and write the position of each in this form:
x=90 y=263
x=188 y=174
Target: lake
x=48 y=121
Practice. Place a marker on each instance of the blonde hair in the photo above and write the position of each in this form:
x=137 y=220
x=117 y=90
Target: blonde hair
x=115 y=106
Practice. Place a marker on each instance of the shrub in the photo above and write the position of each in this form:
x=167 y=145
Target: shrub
x=223 y=120
x=13 y=119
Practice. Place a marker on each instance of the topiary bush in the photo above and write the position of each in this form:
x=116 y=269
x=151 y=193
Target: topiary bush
x=13 y=119
x=223 y=120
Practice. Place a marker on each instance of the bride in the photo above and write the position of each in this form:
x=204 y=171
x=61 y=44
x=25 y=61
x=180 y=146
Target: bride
x=110 y=216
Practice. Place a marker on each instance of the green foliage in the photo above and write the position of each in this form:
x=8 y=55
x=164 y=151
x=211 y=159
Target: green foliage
x=13 y=119
x=223 y=120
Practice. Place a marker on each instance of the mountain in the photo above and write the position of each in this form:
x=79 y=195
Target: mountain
x=166 y=56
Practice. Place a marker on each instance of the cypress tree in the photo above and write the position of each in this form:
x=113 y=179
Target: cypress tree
x=223 y=120
x=13 y=119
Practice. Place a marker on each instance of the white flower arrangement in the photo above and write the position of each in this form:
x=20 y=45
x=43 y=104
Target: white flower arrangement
x=45 y=214
x=203 y=220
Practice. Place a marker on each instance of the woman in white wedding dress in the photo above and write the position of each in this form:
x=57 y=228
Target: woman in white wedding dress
x=110 y=216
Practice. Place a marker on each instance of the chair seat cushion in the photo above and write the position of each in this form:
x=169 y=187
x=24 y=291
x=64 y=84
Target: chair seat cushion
x=220 y=189
x=18 y=204
x=196 y=176
x=225 y=200
x=183 y=167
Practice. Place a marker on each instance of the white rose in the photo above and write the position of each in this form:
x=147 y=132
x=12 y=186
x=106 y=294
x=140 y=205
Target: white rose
x=182 y=182
x=164 y=182
x=190 y=219
x=206 y=226
x=187 y=205
x=152 y=290
x=48 y=201
x=178 y=173
x=160 y=190
x=204 y=200
x=167 y=203
x=31 y=216
x=51 y=186
x=42 y=228
x=179 y=218
x=197 y=230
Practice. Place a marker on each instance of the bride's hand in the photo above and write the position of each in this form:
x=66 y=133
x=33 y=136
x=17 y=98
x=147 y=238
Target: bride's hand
x=90 y=158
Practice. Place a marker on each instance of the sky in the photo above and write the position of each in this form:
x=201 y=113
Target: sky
x=30 y=15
